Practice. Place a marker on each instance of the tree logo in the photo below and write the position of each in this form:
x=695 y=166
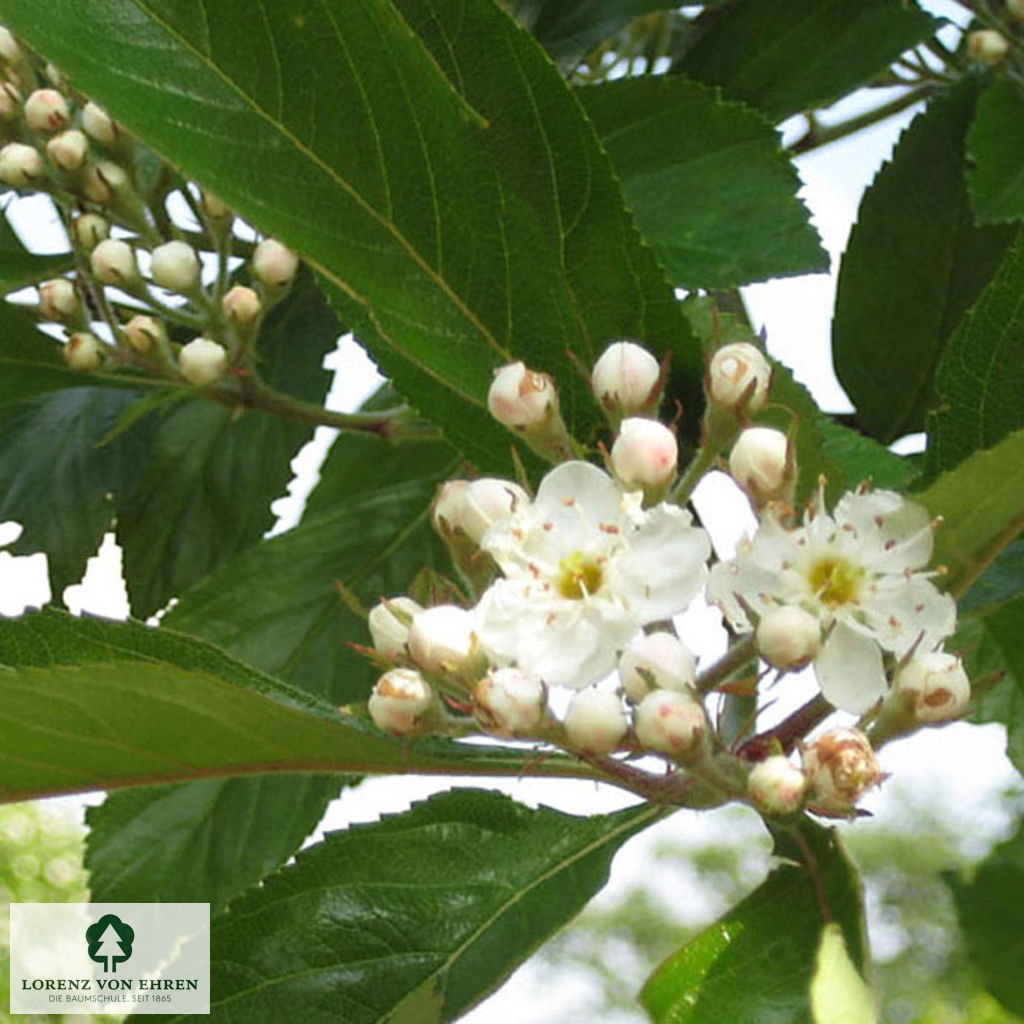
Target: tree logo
x=110 y=942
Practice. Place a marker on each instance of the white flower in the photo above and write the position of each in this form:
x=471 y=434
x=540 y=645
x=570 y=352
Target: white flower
x=859 y=571
x=585 y=567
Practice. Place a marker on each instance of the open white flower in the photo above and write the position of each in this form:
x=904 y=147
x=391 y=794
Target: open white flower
x=860 y=572
x=584 y=568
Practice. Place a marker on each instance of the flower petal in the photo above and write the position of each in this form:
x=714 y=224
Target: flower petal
x=849 y=670
x=892 y=534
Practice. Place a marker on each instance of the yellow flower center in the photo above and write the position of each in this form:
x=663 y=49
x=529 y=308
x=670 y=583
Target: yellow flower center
x=578 y=576
x=835 y=580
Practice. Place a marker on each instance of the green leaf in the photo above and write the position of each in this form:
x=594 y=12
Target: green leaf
x=914 y=265
x=981 y=375
x=424 y=155
x=981 y=503
x=89 y=704
x=709 y=185
x=862 y=458
x=756 y=963
x=839 y=994
x=794 y=55
x=991 y=911
x=19 y=267
x=418 y=916
x=995 y=174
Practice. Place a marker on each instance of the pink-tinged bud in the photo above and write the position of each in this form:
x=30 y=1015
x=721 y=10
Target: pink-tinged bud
x=68 y=150
x=625 y=380
x=104 y=182
x=674 y=723
x=214 y=208
x=58 y=299
x=933 y=686
x=441 y=639
x=776 y=787
x=84 y=351
x=21 y=165
x=46 y=111
x=113 y=262
x=89 y=230
x=988 y=47
x=241 y=306
x=470 y=508
x=762 y=464
x=10 y=102
x=389 y=624
x=10 y=48
x=202 y=361
x=645 y=456
x=522 y=399
x=510 y=702
x=739 y=377
x=98 y=124
x=788 y=637
x=403 y=704
x=175 y=267
x=274 y=265
x=595 y=722
x=144 y=333
x=840 y=768
x=656 y=661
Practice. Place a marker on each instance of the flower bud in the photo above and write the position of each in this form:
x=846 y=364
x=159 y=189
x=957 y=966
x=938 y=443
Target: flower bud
x=595 y=721
x=469 y=508
x=625 y=380
x=389 y=624
x=58 y=299
x=510 y=702
x=20 y=165
x=644 y=456
x=933 y=686
x=840 y=768
x=144 y=333
x=68 y=150
x=761 y=463
x=776 y=787
x=274 y=265
x=788 y=637
x=113 y=262
x=739 y=377
x=98 y=124
x=84 y=352
x=88 y=230
x=656 y=661
x=202 y=361
x=672 y=722
x=241 y=306
x=104 y=182
x=402 y=703
x=10 y=102
x=988 y=47
x=46 y=111
x=214 y=208
x=522 y=399
x=175 y=267
x=10 y=48
x=55 y=76
x=441 y=639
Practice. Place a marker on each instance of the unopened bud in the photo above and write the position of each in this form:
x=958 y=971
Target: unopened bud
x=98 y=124
x=241 y=306
x=403 y=703
x=840 y=768
x=933 y=686
x=214 y=208
x=522 y=399
x=389 y=624
x=84 y=351
x=510 y=702
x=89 y=230
x=645 y=456
x=10 y=48
x=788 y=637
x=104 y=182
x=144 y=333
x=988 y=47
x=113 y=262
x=674 y=723
x=469 y=508
x=55 y=76
x=46 y=111
x=441 y=639
x=776 y=787
x=274 y=265
x=10 y=102
x=20 y=165
x=202 y=361
x=739 y=377
x=761 y=463
x=625 y=380
x=68 y=150
x=656 y=661
x=175 y=266
x=58 y=299
x=595 y=721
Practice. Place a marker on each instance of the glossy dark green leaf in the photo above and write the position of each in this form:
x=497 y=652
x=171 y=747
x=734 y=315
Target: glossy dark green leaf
x=707 y=180
x=414 y=918
x=862 y=458
x=756 y=963
x=995 y=174
x=794 y=55
x=914 y=265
